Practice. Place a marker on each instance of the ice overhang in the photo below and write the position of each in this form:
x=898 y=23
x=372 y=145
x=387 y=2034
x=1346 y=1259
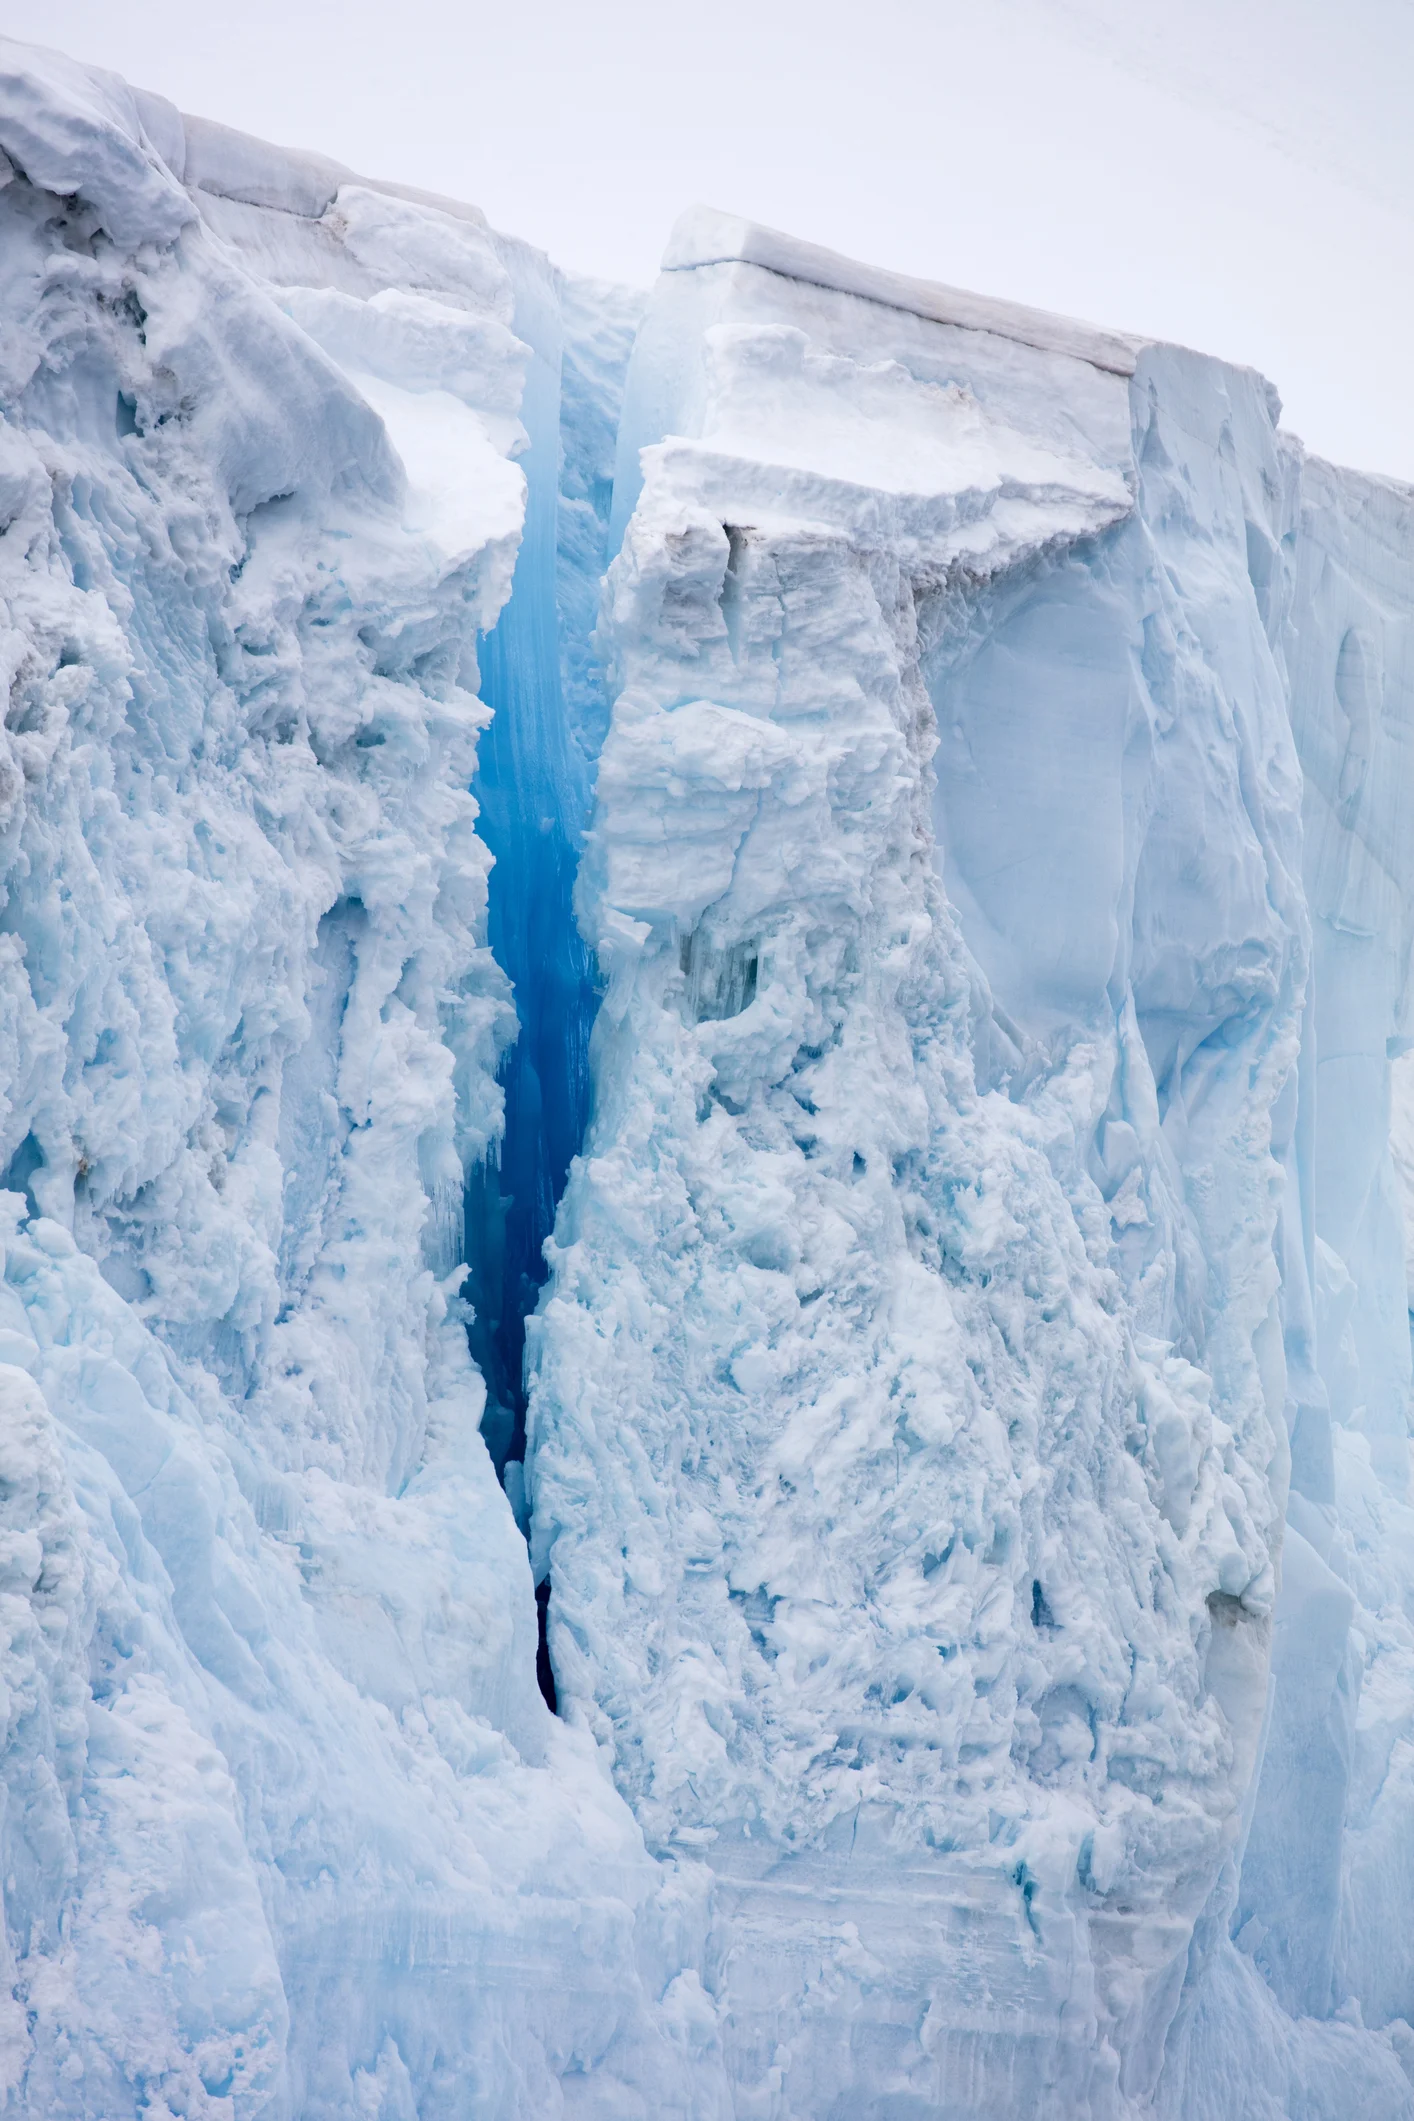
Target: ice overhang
x=703 y=236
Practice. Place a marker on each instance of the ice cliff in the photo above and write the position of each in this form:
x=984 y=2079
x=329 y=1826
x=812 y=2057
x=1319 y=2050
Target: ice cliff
x=704 y=999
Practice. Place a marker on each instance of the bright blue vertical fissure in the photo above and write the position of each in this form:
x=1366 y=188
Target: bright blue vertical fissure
x=531 y=788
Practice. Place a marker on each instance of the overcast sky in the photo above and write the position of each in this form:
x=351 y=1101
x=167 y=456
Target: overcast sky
x=1236 y=174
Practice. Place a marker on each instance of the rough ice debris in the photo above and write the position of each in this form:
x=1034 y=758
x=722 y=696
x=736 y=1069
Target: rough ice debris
x=779 y=911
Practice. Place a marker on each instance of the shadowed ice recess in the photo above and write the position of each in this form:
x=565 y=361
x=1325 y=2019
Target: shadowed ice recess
x=533 y=787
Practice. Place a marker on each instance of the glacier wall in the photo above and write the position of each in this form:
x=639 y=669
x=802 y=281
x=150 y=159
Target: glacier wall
x=779 y=913
x=287 y=1828
x=976 y=1151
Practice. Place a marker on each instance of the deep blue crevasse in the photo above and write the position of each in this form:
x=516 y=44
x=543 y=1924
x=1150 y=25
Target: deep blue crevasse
x=532 y=784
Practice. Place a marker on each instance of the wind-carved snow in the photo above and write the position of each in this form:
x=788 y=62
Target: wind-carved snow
x=965 y=1421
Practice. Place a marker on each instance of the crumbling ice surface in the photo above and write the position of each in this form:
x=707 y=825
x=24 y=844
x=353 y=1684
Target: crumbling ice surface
x=898 y=1166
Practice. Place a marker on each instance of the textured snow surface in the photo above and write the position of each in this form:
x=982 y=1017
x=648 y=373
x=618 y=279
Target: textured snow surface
x=861 y=832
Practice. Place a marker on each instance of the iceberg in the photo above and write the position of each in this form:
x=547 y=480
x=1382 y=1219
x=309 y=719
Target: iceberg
x=706 y=1107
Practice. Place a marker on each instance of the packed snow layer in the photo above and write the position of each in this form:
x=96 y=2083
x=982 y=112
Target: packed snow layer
x=859 y=829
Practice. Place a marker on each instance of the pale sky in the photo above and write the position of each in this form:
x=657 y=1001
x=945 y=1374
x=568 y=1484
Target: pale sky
x=1235 y=174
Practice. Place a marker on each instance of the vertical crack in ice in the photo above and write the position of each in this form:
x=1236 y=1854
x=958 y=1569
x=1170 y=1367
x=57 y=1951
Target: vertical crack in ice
x=540 y=678
x=511 y=1206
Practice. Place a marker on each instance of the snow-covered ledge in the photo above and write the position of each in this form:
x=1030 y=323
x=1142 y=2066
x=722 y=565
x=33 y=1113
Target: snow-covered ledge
x=702 y=236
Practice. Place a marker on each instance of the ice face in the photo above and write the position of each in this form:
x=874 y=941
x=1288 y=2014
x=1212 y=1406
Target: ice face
x=938 y=1309
x=287 y=1828
x=778 y=911
x=932 y=1574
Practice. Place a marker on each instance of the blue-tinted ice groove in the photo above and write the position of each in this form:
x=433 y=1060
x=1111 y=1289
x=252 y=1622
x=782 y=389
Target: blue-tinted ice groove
x=533 y=786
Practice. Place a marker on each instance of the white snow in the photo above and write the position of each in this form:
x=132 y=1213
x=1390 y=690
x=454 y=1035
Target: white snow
x=703 y=237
